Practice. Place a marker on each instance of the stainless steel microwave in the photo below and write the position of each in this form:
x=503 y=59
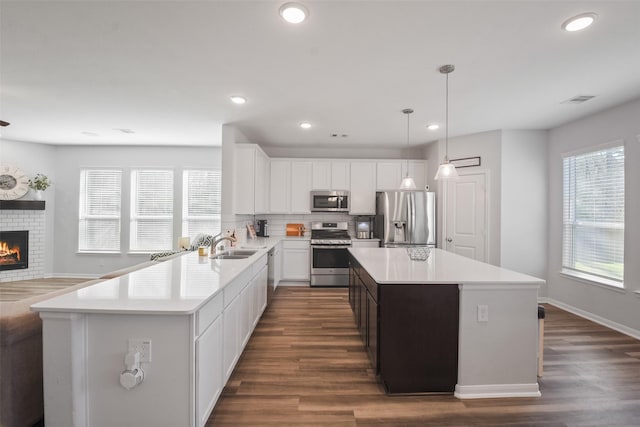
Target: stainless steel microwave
x=329 y=201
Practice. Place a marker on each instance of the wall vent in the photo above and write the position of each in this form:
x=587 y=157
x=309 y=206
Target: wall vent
x=578 y=99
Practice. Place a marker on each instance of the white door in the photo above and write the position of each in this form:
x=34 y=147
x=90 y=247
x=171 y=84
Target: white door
x=466 y=218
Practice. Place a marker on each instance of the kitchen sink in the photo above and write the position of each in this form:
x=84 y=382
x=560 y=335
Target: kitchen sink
x=225 y=256
x=234 y=254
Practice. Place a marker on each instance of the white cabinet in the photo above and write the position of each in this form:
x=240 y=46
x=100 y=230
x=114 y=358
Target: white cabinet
x=290 y=185
x=363 y=188
x=417 y=171
x=231 y=336
x=388 y=175
x=209 y=380
x=330 y=175
x=280 y=186
x=300 y=186
x=296 y=266
x=251 y=184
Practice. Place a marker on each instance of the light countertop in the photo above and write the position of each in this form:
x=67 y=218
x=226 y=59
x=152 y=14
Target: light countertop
x=393 y=266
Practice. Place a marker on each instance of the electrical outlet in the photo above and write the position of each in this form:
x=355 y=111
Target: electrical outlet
x=142 y=346
x=483 y=313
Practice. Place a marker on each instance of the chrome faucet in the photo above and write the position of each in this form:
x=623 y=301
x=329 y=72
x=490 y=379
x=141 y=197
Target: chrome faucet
x=214 y=244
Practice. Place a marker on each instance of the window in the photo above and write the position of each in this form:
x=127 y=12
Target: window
x=99 y=216
x=151 y=210
x=201 y=202
x=593 y=215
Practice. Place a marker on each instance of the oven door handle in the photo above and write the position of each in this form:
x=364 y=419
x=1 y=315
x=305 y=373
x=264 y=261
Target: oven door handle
x=330 y=246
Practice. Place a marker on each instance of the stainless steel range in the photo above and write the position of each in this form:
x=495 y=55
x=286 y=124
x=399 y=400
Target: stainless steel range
x=329 y=255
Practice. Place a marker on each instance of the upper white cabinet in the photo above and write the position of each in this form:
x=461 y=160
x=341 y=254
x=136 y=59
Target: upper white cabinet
x=417 y=171
x=251 y=180
x=290 y=185
x=330 y=175
x=280 y=183
x=300 y=186
x=388 y=174
x=363 y=188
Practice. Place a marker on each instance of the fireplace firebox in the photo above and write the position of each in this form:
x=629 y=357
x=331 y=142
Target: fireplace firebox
x=14 y=250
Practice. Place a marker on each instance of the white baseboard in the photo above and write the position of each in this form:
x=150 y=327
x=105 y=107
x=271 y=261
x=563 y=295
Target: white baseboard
x=490 y=391
x=634 y=333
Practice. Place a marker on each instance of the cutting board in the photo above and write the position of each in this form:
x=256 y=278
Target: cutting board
x=294 y=229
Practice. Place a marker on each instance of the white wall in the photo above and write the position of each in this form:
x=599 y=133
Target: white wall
x=33 y=159
x=621 y=307
x=523 y=202
x=70 y=159
x=486 y=145
x=337 y=152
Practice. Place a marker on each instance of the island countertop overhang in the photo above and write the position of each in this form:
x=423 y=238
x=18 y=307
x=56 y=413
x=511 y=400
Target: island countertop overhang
x=389 y=266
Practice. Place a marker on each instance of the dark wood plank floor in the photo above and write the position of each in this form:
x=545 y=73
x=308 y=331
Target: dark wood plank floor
x=305 y=365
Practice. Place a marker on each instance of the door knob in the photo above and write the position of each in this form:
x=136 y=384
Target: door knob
x=449 y=239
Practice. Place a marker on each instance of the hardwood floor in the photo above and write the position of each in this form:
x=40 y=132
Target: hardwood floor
x=305 y=365
x=22 y=289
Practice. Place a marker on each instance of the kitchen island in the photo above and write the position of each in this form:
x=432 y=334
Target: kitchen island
x=447 y=324
x=153 y=347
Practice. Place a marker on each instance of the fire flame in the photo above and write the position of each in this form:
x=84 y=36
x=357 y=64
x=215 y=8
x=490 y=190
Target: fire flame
x=6 y=251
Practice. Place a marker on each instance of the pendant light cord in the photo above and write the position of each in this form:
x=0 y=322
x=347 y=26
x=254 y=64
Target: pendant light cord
x=446 y=119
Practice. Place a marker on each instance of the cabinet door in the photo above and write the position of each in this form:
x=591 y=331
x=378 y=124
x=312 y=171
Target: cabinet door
x=244 y=186
x=209 y=381
x=280 y=186
x=247 y=311
x=388 y=175
x=296 y=265
x=300 y=186
x=261 y=183
x=321 y=175
x=339 y=175
x=231 y=337
x=362 y=302
x=417 y=171
x=363 y=188
x=372 y=330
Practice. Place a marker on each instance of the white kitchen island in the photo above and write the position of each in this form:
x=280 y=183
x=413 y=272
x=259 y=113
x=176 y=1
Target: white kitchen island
x=197 y=313
x=497 y=316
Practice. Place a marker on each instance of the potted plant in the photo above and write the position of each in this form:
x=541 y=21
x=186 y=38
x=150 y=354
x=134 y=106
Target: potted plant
x=39 y=183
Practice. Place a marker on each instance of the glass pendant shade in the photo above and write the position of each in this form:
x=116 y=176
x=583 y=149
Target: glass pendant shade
x=407 y=183
x=446 y=171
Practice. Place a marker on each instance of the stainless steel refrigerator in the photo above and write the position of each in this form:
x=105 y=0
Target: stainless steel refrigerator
x=406 y=218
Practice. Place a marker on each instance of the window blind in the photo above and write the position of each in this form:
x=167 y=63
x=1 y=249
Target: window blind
x=151 y=210
x=593 y=214
x=100 y=207
x=201 y=204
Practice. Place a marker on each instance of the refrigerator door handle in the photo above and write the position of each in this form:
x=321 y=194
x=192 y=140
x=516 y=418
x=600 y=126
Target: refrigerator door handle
x=411 y=217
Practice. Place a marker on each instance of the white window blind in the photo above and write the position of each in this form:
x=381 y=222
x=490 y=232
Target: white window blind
x=593 y=215
x=201 y=204
x=99 y=216
x=151 y=210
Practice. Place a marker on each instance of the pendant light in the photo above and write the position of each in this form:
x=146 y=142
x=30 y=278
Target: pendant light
x=446 y=170
x=407 y=182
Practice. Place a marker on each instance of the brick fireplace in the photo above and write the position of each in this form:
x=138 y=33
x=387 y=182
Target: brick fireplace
x=25 y=216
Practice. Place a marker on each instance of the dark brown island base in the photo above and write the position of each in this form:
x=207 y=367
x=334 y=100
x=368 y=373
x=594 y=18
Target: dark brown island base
x=410 y=332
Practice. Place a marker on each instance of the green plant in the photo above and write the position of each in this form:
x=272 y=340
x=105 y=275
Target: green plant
x=40 y=182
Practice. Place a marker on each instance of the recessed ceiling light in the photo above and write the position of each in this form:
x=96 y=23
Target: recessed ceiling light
x=579 y=22
x=305 y=125
x=433 y=126
x=293 y=13
x=238 y=99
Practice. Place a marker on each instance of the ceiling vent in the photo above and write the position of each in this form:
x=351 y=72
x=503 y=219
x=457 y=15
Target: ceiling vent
x=579 y=99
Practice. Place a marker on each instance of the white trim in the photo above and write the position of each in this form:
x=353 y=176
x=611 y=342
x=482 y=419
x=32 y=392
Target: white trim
x=634 y=333
x=593 y=280
x=593 y=148
x=496 y=390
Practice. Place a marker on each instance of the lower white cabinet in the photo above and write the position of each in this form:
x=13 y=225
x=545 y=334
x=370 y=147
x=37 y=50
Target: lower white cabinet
x=296 y=260
x=209 y=381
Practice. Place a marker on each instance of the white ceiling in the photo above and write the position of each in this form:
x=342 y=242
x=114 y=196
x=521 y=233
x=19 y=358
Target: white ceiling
x=166 y=69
